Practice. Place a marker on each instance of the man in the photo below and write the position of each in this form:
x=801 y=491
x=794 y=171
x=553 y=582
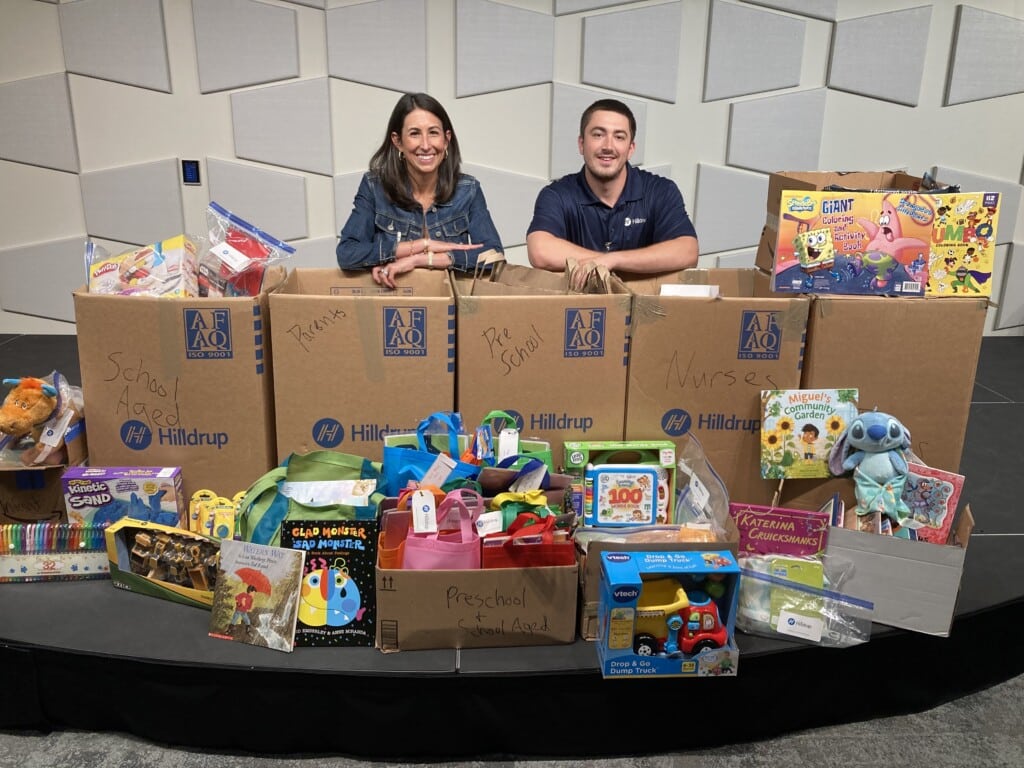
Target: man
x=611 y=213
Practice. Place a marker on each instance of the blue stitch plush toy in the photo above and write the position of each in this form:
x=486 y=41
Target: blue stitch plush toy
x=872 y=445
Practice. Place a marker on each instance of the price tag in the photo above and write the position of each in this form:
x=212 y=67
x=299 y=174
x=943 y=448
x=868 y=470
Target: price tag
x=798 y=625
x=424 y=513
x=438 y=473
x=508 y=443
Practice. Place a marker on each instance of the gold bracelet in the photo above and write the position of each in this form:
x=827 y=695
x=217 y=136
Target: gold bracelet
x=430 y=259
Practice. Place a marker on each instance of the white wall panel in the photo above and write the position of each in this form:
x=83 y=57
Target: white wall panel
x=36 y=124
x=138 y=204
x=270 y=200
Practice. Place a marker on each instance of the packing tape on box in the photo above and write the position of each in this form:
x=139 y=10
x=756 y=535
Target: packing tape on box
x=170 y=325
x=370 y=331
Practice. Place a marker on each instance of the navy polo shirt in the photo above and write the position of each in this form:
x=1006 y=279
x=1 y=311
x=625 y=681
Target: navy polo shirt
x=650 y=210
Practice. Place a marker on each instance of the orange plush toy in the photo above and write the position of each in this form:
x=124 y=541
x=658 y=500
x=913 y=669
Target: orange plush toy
x=26 y=408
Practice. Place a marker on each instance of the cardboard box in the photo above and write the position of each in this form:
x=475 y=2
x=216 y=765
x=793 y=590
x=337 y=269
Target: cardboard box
x=103 y=495
x=913 y=584
x=698 y=365
x=34 y=494
x=555 y=361
x=486 y=608
x=930 y=351
x=668 y=614
x=353 y=362
x=162 y=561
x=590 y=566
x=180 y=383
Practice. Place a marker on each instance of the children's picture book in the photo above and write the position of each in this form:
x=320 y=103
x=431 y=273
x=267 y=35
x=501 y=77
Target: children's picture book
x=337 y=602
x=847 y=242
x=932 y=496
x=256 y=598
x=799 y=428
x=781 y=530
x=963 y=244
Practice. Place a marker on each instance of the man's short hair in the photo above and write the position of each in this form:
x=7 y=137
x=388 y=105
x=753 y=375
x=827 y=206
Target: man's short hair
x=609 y=105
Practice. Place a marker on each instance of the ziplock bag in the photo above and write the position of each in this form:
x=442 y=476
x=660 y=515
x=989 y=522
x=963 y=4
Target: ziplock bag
x=238 y=255
x=810 y=614
x=408 y=457
x=264 y=506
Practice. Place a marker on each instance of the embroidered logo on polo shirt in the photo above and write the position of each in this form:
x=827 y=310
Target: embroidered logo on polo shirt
x=633 y=220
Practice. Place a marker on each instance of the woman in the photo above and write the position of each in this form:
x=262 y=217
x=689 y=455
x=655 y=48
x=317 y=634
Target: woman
x=414 y=207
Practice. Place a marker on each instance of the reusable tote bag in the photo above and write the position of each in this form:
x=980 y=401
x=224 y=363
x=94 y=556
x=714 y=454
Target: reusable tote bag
x=528 y=448
x=452 y=550
x=264 y=507
x=530 y=543
x=408 y=457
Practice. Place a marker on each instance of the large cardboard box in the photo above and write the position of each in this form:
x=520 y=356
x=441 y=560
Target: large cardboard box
x=913 y=358
x=698 y=365
x=555 y=361
x=35 y=494
x=354 y=362
x=173 y=382
x=817 y=180
x=485 y=608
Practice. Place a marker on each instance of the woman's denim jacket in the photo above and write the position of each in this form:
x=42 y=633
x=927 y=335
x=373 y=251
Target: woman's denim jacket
x=372 y=231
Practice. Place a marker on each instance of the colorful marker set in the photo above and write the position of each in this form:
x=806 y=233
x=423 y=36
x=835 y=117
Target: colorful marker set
x=58 y=551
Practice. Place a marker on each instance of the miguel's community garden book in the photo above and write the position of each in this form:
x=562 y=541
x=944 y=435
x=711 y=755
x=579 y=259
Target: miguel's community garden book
x=799 y=428
x=336 y=599
x=256 y=598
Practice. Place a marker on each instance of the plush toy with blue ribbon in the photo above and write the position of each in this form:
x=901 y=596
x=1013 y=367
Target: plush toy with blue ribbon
x=873 y=445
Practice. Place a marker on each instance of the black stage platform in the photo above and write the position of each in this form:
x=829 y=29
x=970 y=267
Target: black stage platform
x=85 y=655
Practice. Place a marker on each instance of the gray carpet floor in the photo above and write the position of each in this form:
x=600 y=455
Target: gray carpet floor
x=981 y=730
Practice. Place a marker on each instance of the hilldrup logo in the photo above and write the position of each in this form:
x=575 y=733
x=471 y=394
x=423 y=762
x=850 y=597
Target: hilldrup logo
x=760 y=336
x=405 y=331
x=584 y=332
x=328 y=433
x=676 y=422
x=136 y=435
x=208 y=334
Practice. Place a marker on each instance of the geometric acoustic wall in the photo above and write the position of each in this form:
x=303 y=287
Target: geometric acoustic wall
x=651 y=38
x=36 y=124
x=881 y=56
x=498 y=47
x=567 y=104
x=729 y=211
x=381 y=43
x=988 y=56
x=20 y=268
x=563 y=7
x=287 y=125
x=118 y=40
x=510 y=198
x=274 y=199
x=240 y=43
x=815 y=9
x=1009 y=196
x=777 y=133
x=751 y=51
x=137 y=204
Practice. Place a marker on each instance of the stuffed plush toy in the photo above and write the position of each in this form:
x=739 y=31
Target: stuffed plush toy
x=26 y=408
x=872 y=445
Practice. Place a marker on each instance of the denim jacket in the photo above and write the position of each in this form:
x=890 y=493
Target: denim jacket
x=371 y=234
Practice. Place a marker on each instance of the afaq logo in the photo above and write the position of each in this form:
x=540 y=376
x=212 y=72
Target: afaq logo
x=207 y=334
x=760 y=336
x=136 y=435
x=584 y=332
x=405 y=331
x=328 y=432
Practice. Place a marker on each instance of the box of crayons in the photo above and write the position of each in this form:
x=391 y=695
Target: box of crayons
x=52 y=551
